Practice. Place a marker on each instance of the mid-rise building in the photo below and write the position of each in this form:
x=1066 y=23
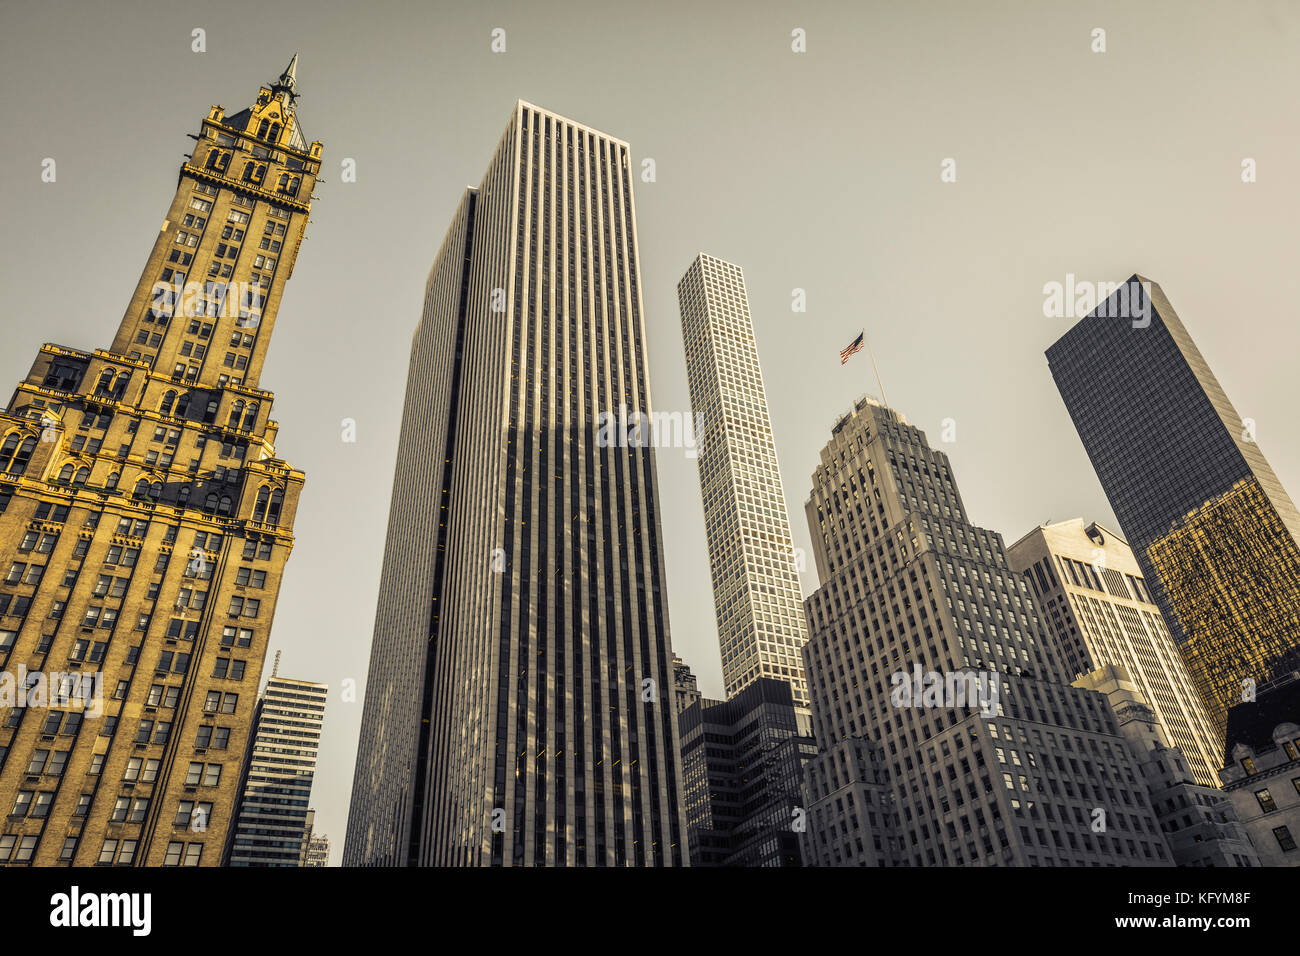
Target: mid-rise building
x=1210 y=524
x=519 y=704
x=145 y=521
x=948 y=733
x=743 y=763
x=308 y=825
x=1261 y=769
x=317 y=851
x=1200 y=823
x=686 y=690
x=271 y=819
x=1098 y=611
x=756 y=591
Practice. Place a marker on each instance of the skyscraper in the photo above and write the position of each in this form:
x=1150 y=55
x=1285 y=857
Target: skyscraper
x=519 y=706
x=145 y=521
x=742 y=763
x=948 y=733
x=1212 y=528
x=756 y=592
x=271 y=820
x=1098 y=612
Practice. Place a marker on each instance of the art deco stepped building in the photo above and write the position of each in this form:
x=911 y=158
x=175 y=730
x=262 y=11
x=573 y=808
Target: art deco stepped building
x=1212 y=528
x=145 y=521
x=756 y=592
x=1098 y=610
x=272 y=826
x=1017 y=769
x=519 y=706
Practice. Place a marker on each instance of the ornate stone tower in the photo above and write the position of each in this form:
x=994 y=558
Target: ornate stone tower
x=145 y=521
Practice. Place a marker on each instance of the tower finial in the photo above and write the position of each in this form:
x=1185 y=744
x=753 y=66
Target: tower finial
x=289 y=78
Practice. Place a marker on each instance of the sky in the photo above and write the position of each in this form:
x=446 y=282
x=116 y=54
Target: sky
x=818 y=170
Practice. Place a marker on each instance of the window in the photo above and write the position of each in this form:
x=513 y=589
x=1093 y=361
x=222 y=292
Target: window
x=174 y=851
x=247 y=577
x=26 y=847
x=1284 y=839
x=108 y=851
x=41 y=805
x=37 y=763
x=1266 y=802
x=120 y=809
x=230 y=701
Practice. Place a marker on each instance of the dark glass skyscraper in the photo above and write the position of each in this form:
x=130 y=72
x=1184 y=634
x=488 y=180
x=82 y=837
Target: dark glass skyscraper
x=1211 y=526
x=519 y=706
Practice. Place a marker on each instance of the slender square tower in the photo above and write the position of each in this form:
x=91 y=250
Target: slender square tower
x=145 y=521
x=1216 y=534
x=756 y=592
x=519 y=706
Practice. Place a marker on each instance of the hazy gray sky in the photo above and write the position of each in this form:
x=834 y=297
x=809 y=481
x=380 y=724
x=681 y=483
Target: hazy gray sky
x=818 y=171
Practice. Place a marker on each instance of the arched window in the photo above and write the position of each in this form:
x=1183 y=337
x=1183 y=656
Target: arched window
x=259 y=508
x=273 y=512
x=7 y=450
x=293 y=186
x=14 y=456
x=248 y=172
x=211 y=503
x=283 y=185
x=250 y=417
x=262 y=129
x=275 y=132
x=65 y=474
x=184 y=497
x=168 y=401
x=183 y=406
x=224 y=507
x=83 y=476
x=214 y=156
x=211 y=414
x=236 y=413
x=259 y=174
x=105 y=382
x=141 y=489
x=113 y=477
x=120 y=388
x=155 y=490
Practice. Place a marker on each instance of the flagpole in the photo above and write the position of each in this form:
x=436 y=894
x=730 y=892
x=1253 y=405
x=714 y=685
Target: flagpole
x=879 y=384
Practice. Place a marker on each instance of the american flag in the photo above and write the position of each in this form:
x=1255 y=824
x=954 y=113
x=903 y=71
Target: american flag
x=854 y=346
